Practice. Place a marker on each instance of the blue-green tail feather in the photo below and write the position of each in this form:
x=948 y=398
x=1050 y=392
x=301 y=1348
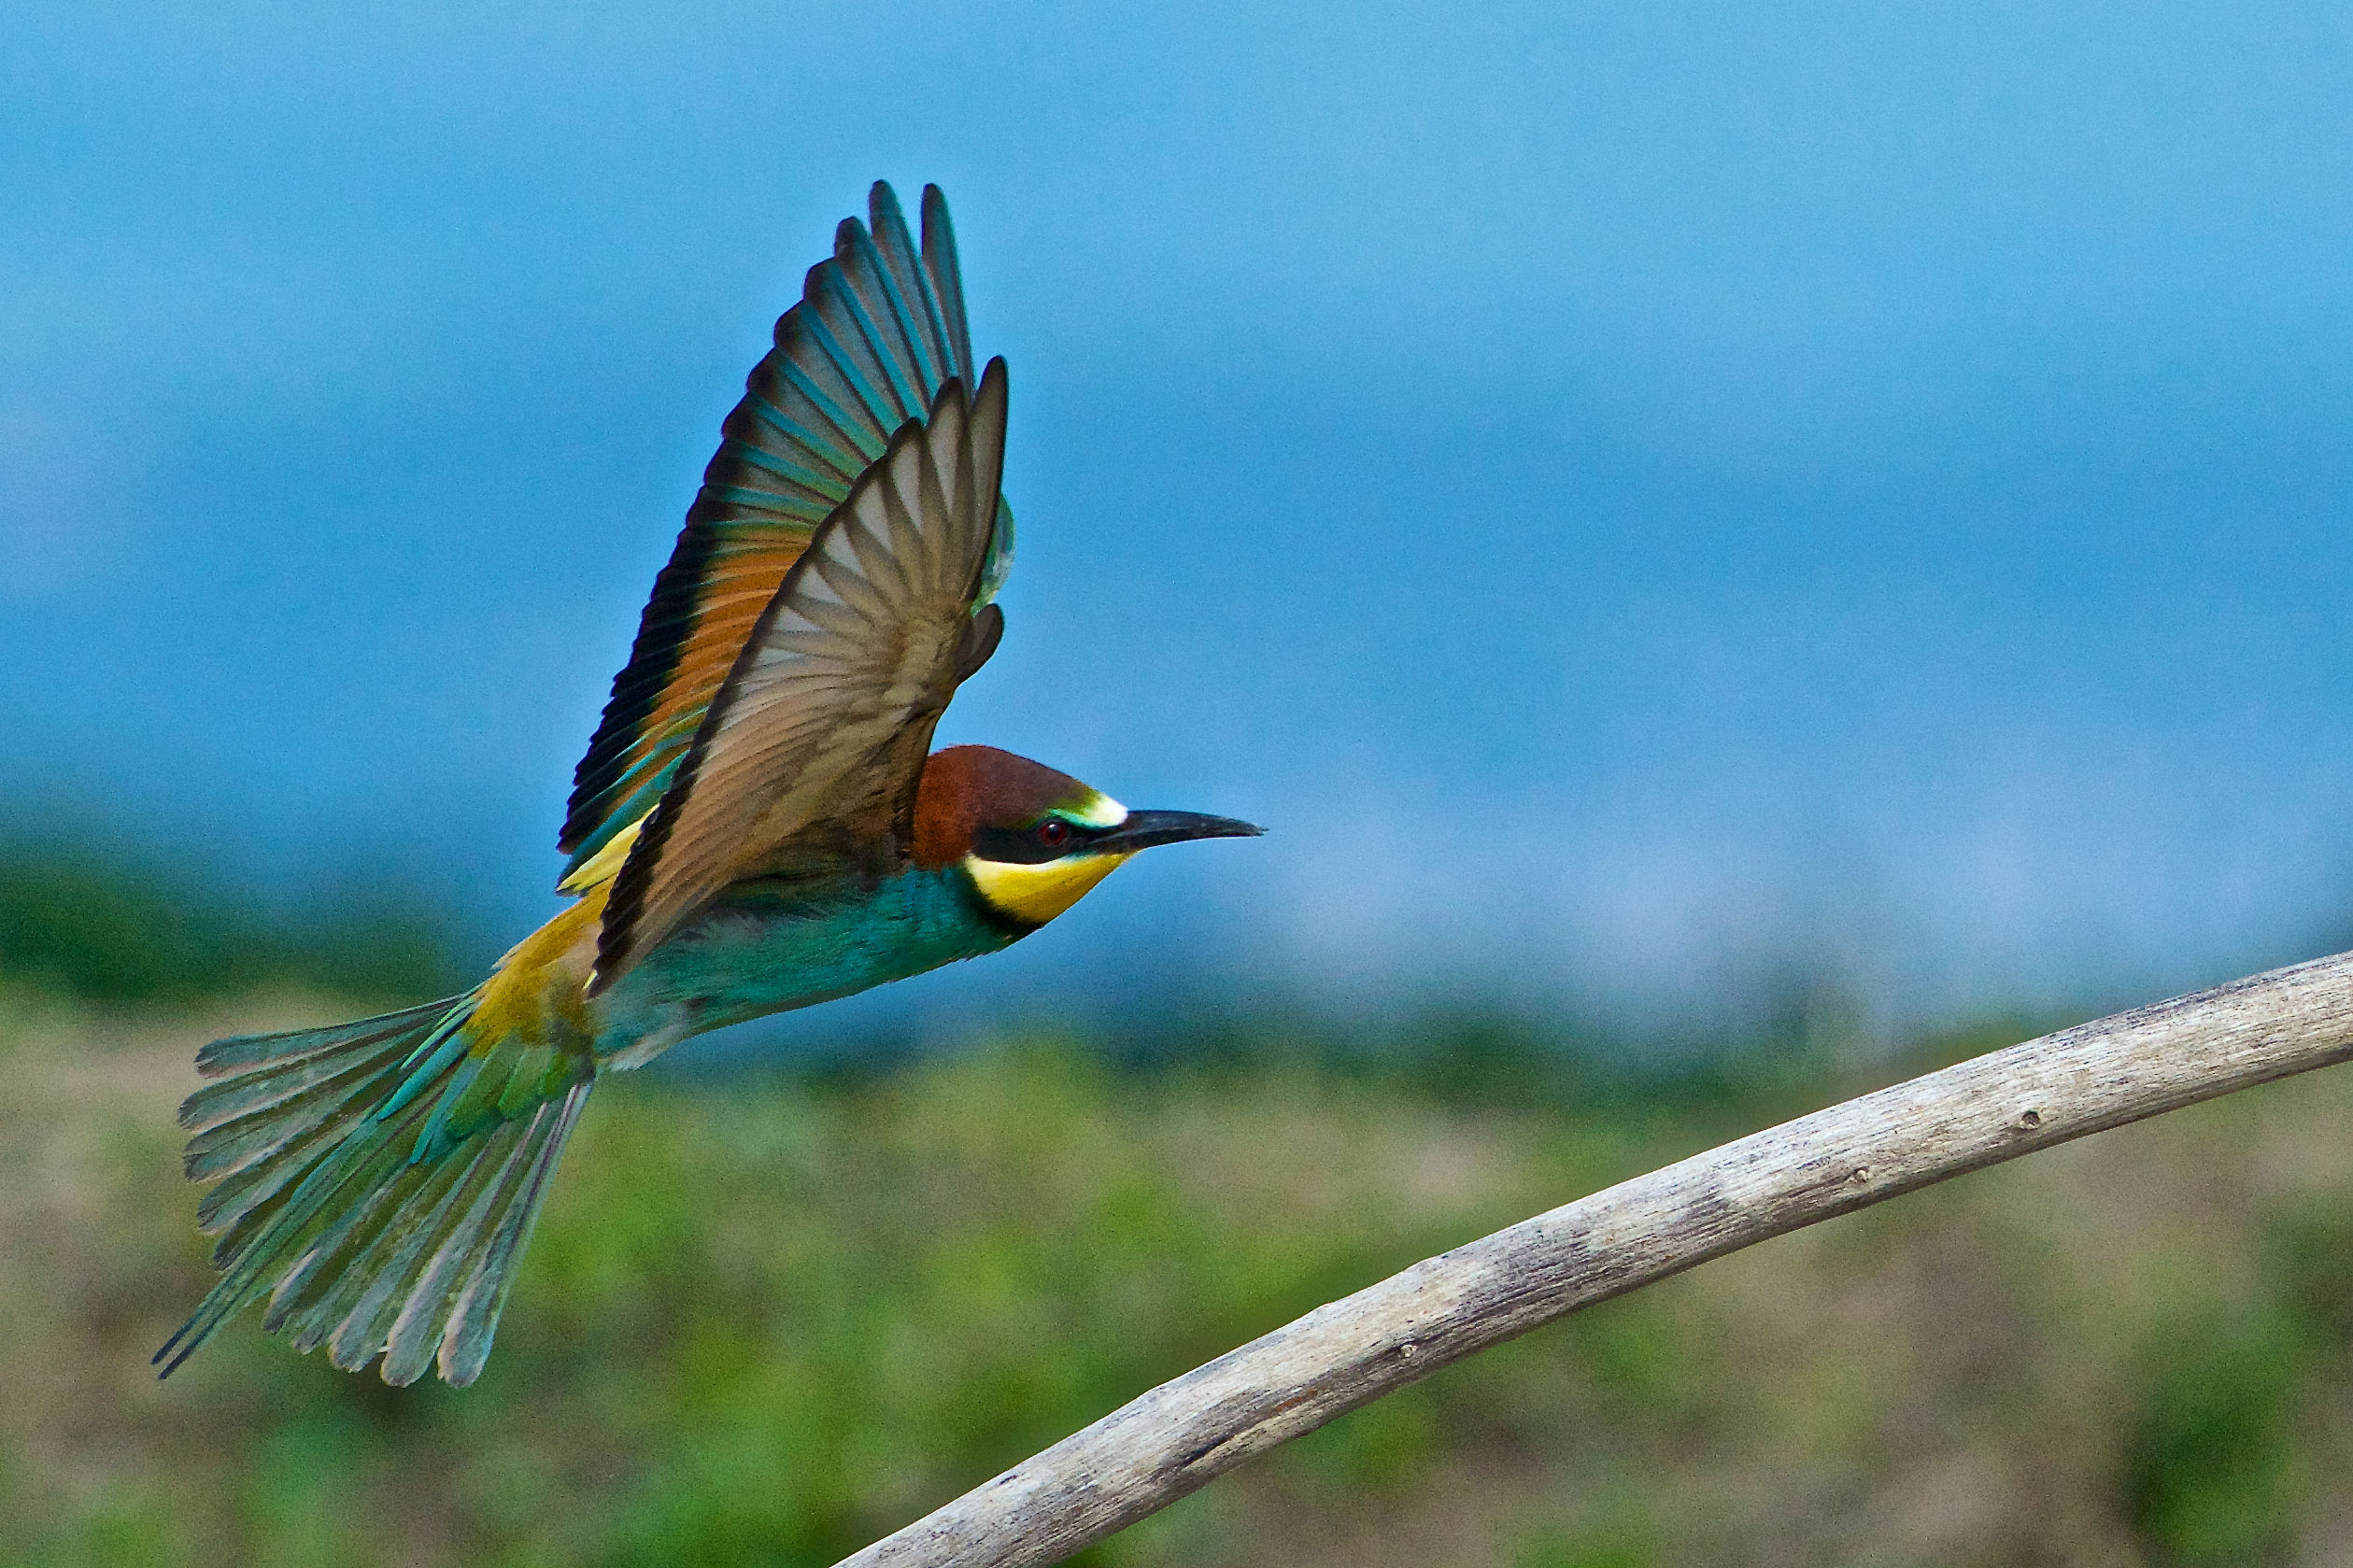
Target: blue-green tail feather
x=376 y=1182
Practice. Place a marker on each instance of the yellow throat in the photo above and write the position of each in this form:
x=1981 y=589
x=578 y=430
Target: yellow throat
x=1036 y=894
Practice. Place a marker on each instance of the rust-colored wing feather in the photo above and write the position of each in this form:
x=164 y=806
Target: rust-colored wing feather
x=816 y=740
x=879 y=330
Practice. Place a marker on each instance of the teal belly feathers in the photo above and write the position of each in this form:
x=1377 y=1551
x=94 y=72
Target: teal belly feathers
x=766 y=950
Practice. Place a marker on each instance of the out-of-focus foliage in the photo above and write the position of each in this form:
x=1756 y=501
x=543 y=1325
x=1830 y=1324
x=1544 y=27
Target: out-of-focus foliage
x=85 y=914
x=769 y=1319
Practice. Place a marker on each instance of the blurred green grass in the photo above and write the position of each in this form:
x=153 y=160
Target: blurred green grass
x=89 y=910
x=769 y=1318
x=772 y=1316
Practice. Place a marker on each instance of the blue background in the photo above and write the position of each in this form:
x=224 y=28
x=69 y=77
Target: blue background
x=1640 y=502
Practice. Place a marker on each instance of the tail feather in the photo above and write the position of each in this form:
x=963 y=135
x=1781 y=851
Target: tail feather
x=365 y=1235
x=248 y=1199
x=268 y=1095
x=479 y=1285
x=324 y=1275
x=248 y=1051
x=420 y=1327
x=235 y=1146
x=225 y=1147
x=361 y=1311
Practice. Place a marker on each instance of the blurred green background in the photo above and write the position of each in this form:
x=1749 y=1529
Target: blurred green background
x=774 y=1312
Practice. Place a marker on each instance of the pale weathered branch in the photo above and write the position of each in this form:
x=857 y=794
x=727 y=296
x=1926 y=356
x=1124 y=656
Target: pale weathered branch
x=1154 y=1449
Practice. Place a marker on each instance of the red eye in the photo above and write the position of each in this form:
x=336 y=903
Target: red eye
x=1054 y=832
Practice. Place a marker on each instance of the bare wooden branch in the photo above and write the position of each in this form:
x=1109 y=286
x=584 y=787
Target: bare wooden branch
x=1156 y=1449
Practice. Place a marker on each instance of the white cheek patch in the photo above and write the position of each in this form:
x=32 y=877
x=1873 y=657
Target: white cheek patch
x=1101 y=811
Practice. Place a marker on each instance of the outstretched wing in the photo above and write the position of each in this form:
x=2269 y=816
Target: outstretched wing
x=813 y=743
x=878 y=332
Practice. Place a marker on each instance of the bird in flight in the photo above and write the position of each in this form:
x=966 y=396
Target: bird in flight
x=759 y=823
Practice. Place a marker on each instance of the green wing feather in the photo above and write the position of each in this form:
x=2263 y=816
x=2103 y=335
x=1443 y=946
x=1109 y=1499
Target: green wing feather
x=880 y=328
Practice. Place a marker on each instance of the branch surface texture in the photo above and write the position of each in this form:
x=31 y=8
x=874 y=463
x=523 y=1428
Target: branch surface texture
x=1171 y=1440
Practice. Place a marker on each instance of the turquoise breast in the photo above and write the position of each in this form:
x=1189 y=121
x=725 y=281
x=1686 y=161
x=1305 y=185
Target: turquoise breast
x=765 y=948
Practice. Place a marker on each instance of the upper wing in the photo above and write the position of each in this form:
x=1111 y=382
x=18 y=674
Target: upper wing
x=878 y=332
x=813 y=743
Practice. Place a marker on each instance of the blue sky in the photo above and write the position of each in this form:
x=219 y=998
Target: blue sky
x=1632 y=496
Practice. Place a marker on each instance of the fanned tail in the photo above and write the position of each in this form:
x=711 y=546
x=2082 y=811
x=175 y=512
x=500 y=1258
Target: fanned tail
x=376 y=1182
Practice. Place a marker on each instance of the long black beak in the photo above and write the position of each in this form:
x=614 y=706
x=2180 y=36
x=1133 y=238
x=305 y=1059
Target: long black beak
x=1144 y=829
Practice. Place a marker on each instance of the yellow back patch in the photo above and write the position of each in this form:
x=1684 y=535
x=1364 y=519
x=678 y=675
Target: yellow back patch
x=1037 y=894
x=537 y=992
x=605 y=864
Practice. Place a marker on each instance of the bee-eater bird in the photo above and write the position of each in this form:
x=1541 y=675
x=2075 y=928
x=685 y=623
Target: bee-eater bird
x=759 y=825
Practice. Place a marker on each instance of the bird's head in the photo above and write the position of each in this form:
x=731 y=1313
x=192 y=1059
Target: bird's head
x=1034 y=840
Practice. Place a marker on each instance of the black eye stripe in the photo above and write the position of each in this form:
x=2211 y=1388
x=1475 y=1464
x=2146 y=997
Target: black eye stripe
x=1023 y=846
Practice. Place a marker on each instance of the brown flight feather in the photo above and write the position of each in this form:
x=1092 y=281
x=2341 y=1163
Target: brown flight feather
x=815 y=741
